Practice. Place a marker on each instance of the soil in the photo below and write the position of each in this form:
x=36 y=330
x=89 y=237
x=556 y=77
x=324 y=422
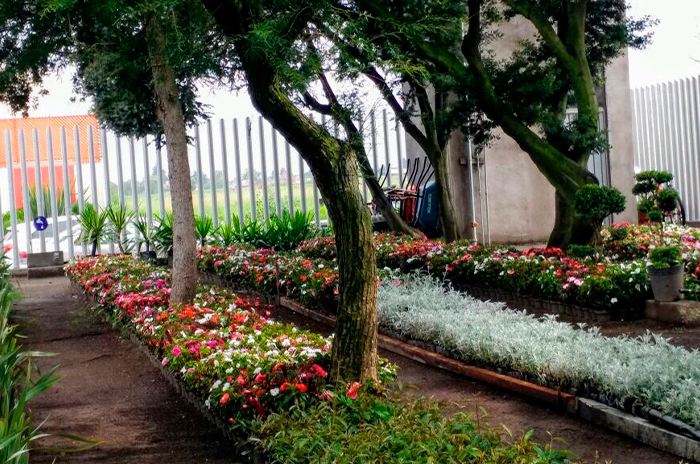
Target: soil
x=111 y=392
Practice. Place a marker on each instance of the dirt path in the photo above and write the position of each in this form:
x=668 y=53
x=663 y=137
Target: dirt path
x=111 y=392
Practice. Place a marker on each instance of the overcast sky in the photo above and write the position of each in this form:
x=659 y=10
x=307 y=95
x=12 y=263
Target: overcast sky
x=672 y=55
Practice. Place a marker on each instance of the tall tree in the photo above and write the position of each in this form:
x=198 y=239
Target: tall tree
x=267 y=36
x=140 y=62
x=526 y=94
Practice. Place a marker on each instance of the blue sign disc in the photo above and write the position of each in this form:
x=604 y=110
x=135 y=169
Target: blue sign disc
x=40 y=223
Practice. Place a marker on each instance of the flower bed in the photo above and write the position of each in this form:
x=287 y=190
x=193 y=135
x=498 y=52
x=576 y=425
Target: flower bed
x=243 y=364
x=268 y=380
x=646 y=376
x=545 y=274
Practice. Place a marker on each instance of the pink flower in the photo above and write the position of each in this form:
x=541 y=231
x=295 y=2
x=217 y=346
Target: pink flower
x=176 y=351
x=511 y=272
x=319 y=370
x=165 y=361
x=352 y=390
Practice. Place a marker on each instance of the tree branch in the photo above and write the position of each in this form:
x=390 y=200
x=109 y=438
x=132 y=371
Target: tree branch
x=316 y=105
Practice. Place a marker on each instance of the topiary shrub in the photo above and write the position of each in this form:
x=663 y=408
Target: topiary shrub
x=665 y=256
x=594 y=203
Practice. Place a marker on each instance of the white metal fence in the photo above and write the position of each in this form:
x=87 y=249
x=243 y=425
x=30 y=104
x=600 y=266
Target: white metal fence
x=666 y=130
x=240 y=168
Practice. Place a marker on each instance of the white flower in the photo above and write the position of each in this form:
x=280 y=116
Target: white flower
x=613 y=300
x=275 y=391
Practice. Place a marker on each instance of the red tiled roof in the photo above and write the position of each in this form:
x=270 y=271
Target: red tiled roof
x=55 y=123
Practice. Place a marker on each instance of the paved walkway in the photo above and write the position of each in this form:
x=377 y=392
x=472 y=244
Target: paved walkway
x=111 y=392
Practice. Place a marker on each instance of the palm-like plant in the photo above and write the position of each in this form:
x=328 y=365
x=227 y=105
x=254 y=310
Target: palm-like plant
x=204 y=227
x=230 y=232
x=163 y=234
x=119 y=218
x=93 y=226
x=145 y=232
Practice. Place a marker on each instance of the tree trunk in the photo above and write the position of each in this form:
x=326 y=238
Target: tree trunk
x=184 y=278
x=447 y=212
x=569 y=229
x=354 y=353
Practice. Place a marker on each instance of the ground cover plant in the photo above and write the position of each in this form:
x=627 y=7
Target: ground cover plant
x=18 y=385
x=270 y=381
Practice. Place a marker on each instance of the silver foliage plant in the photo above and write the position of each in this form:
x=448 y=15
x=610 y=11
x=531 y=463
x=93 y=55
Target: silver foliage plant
x=647 y=368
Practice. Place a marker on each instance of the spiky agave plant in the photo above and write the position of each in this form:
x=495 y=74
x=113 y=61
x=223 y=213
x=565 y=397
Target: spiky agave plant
x=93 y=224
x=204 y=227
x=119 y=218
x=163 y=234
x=145 y=232
x=230 y=232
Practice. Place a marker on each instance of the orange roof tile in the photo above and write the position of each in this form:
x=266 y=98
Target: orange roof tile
x=55 y=123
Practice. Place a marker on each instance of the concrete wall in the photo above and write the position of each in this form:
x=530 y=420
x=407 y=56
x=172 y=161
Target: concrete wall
x=520 y=200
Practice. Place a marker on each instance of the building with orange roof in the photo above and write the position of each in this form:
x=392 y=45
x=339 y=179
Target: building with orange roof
x=80 y=133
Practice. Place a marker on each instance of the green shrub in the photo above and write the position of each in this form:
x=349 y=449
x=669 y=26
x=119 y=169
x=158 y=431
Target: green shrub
x=163 y=234
x=581 y=251
x=375 y=430
x=594 y=203
x=665 y=256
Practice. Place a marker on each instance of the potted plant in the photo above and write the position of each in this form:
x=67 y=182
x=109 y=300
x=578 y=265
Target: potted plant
x=656 y=201
x=162 y=236
x=119 y=218
x=93 y=225
x=649 y=185
x=146 y=238
x=204 y=226
x=666 y=273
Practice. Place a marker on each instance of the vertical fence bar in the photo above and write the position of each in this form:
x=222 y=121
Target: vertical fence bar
x=237 y=166
x=79 y=172
x=643 y=119
x=373 y=134
x=147 y=182
x=695 y=104
x=673 y=96
x=290 y=177
x=212 y=170
x=659 y=137
x=387 y=151
x=251 y=168
x=302 y=181
x=224 y=165
x=120 y=170
x=28 y=216
x=39 y=188
x=11 y=188
x=134 y=189
x=107 y=186
x=52 y=188
x=314 y=189
x=266 y=203
x=161 y=188
x=687 y=148
x=398 y=149
x=105 y=165
x=637 y=130
x=662 y=162
x=68 y=194
x=200 y=175
x=93 y=173
x=276 y=168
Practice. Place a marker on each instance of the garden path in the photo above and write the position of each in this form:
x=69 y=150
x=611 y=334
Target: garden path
x=110 y=390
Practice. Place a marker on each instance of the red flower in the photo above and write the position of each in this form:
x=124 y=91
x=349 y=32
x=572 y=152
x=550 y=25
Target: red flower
x=352 y=390
x=284 y=386
x=319 y=370
x=302 y=387
x=241 y=380
x=224 y=399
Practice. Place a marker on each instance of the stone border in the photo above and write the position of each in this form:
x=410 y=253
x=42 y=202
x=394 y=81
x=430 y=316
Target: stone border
x=627 y=424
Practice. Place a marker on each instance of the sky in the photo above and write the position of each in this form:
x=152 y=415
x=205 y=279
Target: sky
x=672 y=55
